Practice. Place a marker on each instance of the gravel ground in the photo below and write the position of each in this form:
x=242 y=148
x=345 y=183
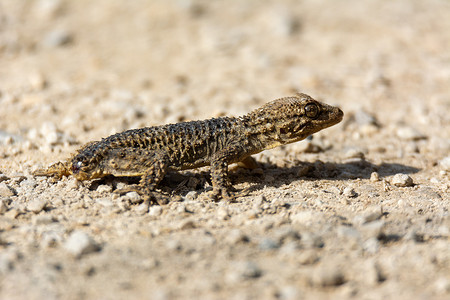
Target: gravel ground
x=360 y=211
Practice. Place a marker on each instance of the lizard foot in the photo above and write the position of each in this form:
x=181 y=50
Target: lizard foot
x=147 y=195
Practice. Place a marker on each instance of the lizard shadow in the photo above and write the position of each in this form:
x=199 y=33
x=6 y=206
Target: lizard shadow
x=268 y=174
x=276 y=176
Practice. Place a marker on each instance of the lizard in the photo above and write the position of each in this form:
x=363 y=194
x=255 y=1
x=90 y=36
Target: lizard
x=150 y=152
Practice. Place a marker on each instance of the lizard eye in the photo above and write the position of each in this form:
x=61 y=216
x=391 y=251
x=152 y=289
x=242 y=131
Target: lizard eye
x=312 y=111
x=76 y=167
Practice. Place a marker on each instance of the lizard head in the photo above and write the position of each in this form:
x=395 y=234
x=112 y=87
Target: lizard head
x=84 y=165
x=292 y=119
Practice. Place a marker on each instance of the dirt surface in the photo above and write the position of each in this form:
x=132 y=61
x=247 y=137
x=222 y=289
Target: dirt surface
x=360 y=211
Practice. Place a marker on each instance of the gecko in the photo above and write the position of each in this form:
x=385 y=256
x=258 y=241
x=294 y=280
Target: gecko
x=150 y=152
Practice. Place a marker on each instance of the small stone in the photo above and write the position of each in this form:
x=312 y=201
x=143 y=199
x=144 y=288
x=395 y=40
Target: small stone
x=36 y=205
x=223 y=214
x=350 y=192
x=42 y=220
x=326 y=276
x=5 y=190
x=103 y=188
x=409 y=133
x=354 y=153
x=308 y=257
x=289 y=293
x=413 y=235
x=445 y=163
x=37 y=81
x=312 y=240
x=155 y=210
x=373 y=274
x=286 y=234
x=402 y=180
x=142 y=209
x=259 y=201
x=3 y=206
x=187 y=224
x=442 y=285
x=372 y=245
x=80 y=243
x=244 y=271
x=132 y=197
x=268 y=244
x=236 y=236
x=364 y=118
x=373 y=229
x=191 y=196
x=374 y=177
x=58 y=38
x=369 y=215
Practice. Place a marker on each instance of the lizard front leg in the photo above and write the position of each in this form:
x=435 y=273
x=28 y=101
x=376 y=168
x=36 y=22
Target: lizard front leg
x=219 y=173
x=151 y=165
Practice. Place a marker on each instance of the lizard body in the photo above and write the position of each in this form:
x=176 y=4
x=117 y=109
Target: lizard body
x=151 y=151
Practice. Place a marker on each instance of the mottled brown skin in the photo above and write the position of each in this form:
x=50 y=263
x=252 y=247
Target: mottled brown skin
x=151 y=151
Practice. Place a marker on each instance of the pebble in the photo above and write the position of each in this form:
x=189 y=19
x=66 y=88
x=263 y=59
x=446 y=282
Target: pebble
x=372 y=273
x=222 y=213
x=155 y=210
x=402 y=180
x=305 y=217
x=312 y=240
x=369 y=215
x=374 y=177
x=372 y=245
x=37 y=205
x=236 y=236
x=364 y=118
x=286 y=234
x=244 y=271
x=187 y=224
x=350 y=192
x=268 y=244
x=308 y=257
x=104 y=188
x=80 y=243
x=373 y=229
x=354 y=153
x=3 y=206
x=326 y=276
x=5 y=190
x=191 y=196
x=133 y=197
x=409 y=133
x=445 y=163
x=42 y=220
x=57 y=38
x=289 y=293
x=442 y=285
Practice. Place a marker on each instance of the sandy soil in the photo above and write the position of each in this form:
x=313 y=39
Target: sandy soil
x=328 y=218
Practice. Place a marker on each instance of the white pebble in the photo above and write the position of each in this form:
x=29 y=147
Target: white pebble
x=350 y=192
x=409 y=133
x=402 y=180
x=445 y=164
x=103 y=188
x=5 y=190
x=374 y=177
x=80 y=243
x=36 y=205
x=155 y=210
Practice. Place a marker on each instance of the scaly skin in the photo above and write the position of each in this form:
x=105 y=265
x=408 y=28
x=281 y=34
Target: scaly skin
x=151 y=151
